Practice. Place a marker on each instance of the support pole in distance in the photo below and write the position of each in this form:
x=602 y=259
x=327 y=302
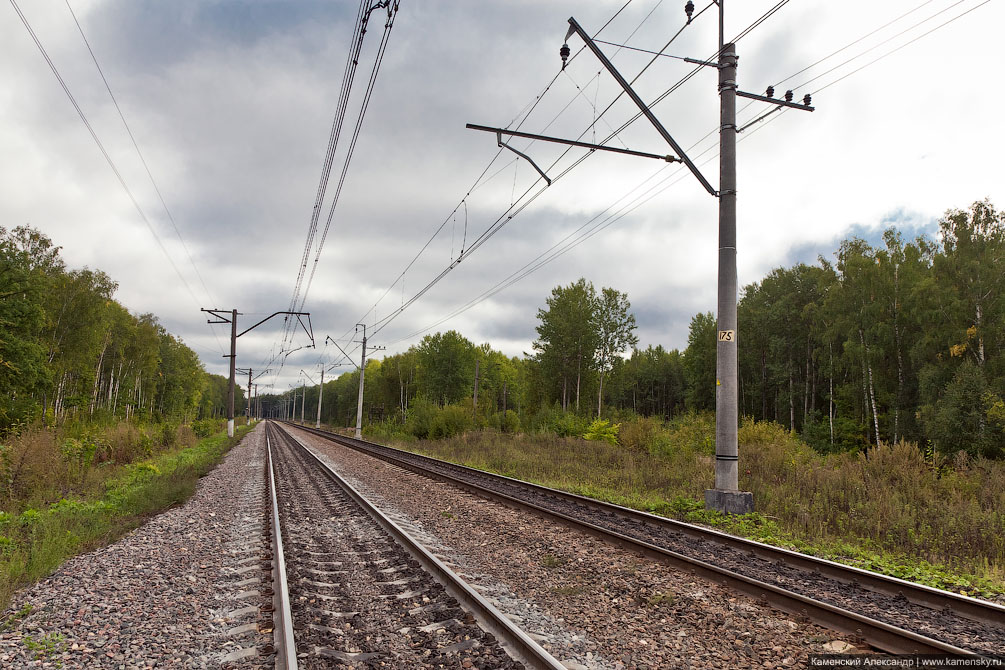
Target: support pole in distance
x=359 y=400
x=233 y=380
x=321 y=390
x=362 y=376
x=249 y=396
x=726 y=496
x=303 y=402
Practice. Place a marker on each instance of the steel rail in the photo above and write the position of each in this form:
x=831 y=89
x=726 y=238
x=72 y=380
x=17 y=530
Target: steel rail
x=879 y=634
x=519 y=644
x=282 y=617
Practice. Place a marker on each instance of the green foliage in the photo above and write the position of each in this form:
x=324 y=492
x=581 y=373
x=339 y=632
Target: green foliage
x=421 y=416
x=69 y=352
x=447 y=365
x=960 y=421
x=207 y=427
x=508 y=422
x=552 y=561
x=47 y=645
x=451 y=420
x=563 y=424
x=567 y=338
x=387 y=430
x=601 y=429
x=699 y=363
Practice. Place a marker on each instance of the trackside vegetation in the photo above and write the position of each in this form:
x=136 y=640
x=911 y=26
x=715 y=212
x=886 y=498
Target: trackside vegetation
x=894 y=509
x=61 y=501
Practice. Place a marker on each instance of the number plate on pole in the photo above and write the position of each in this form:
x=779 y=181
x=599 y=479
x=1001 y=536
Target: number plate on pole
x=727 y=335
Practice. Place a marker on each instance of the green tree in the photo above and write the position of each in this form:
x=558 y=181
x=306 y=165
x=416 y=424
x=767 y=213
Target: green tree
x=567 y=338
x=699 y=363
x=447 y=365
x=615 y=333
x=25 y=257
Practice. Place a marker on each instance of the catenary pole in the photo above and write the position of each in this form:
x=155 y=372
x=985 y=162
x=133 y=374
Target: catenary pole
x=359 y=399
x=233 y=373
x=249 y=396
x=726 y=496
x=321 y=390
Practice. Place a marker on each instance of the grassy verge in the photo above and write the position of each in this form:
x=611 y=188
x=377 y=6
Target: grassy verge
x=890 y=510
x=35 y=541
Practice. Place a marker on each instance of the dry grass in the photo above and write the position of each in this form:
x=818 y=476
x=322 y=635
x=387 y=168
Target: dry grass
x=890 y=509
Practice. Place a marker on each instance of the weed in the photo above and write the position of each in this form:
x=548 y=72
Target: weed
x=552 y=561
x=45 y=646
x=10 y=621
x=568 y=590
x=447 y=515
x=660 y=599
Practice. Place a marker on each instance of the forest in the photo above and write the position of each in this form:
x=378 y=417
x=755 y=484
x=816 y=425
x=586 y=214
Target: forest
x=898 y=341
x=69 y=352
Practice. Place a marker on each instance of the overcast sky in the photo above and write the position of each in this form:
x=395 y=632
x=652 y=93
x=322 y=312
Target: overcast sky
x=232 y=103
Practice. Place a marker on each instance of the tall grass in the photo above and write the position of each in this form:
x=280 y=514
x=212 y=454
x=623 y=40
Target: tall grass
x=37 y=534
x=888 y=509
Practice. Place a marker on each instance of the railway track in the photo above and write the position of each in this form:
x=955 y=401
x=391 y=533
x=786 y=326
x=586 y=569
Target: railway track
x=887 y=613
x=351 y=588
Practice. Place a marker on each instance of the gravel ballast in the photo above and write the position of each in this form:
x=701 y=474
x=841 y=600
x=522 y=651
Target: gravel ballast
x=590 y=604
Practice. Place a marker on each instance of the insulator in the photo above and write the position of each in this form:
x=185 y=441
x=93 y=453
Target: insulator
x=564 y=53
x=788 y=95
x=770 y=92
x=807 y=99
x=689 y=10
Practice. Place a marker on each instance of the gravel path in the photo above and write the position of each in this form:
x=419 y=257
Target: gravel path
x=178 y=592
x=592 y=605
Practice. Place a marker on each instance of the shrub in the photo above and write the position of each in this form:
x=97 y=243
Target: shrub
x=421 y=415
x=507 y=422
x=565 y=424
x=168 y=435
x=207 y=427
x=451 y=420
x=386 y=431
x=640 y=432
x=602 y=430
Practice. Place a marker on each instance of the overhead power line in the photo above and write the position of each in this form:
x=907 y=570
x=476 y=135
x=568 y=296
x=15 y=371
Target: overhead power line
x=300 y=292
x=578 y=236
x=518 y=204
x=101 y=148
x=143 y=160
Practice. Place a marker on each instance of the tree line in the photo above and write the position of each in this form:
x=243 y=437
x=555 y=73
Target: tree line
x=902 y=341
x=69 y=351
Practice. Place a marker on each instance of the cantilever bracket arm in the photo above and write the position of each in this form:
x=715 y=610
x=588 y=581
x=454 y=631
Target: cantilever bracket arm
x=574 y=143
x=574 y=27
x=522 y=155
x=348 y=357
x=308 y=328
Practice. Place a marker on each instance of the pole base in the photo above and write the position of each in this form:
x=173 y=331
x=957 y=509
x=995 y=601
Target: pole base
x=729 y=502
